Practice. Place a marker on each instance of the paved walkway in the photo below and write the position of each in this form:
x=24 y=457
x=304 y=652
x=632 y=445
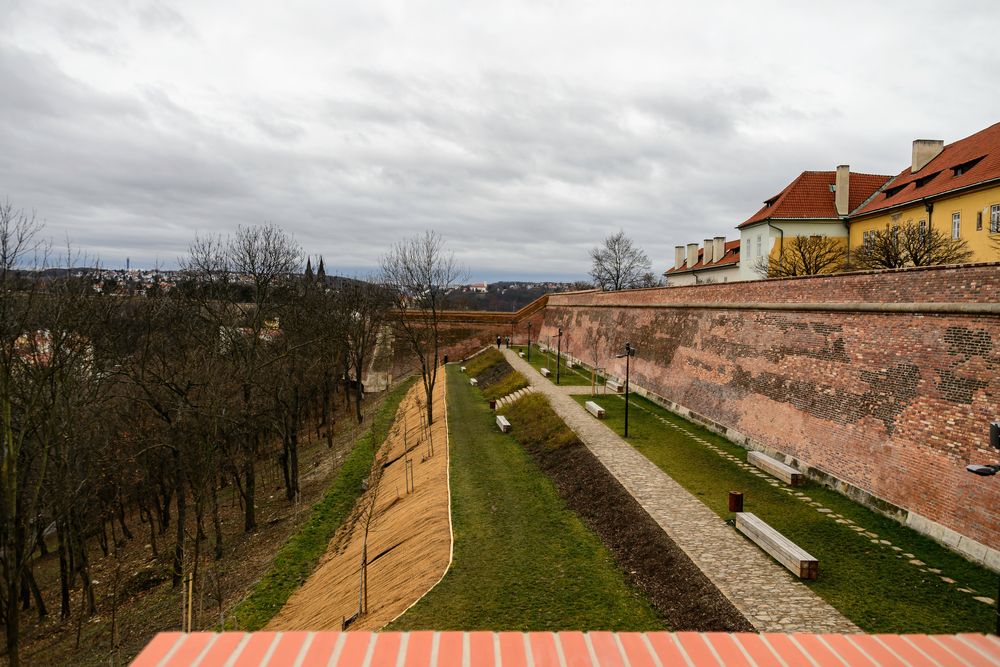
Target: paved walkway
x=764 y=592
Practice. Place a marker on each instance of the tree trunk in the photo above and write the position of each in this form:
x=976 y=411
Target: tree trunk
x=29 y=577
x=121 y=521
x=178 y=569
x=249 y=520
x=64 y=570
x=216 y=521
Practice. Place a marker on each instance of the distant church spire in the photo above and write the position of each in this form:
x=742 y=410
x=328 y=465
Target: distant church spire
x=309 y=269
x=321 y=272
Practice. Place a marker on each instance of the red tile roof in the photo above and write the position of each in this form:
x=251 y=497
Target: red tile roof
x=809 y=197
x=546 y=649
x=731 y=255
x=983 y=146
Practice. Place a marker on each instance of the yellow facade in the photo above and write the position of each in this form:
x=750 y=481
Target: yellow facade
x=973 y=208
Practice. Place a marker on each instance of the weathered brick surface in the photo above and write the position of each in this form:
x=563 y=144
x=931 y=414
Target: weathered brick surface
x=894 y=403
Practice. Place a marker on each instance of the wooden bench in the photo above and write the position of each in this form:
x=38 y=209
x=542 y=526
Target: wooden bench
x=615 y=386
x=503 y=423
x=521 y=354
x=594 y=409
x=474 y=382
x=782 y=549
x=785 y=473
x=462 y=369
x=546 y=372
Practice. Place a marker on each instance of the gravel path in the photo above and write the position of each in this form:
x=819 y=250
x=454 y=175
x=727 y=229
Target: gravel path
x=763 y=591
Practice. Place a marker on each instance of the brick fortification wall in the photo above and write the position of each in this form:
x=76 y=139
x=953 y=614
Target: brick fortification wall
x=883 y=383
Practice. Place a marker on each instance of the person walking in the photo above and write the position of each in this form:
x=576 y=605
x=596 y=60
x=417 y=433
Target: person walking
x=498 y=342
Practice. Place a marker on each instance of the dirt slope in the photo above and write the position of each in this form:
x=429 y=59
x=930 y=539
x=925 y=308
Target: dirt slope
x=409 y=536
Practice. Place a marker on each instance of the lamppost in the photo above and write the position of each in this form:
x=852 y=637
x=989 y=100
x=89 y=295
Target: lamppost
x=629 y=352
x=988 y=471
x=558 y=353
x=529 y=341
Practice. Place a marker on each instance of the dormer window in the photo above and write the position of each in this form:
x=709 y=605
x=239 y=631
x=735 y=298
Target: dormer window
x=892 y=192
x=921 y=182
x=960 y=169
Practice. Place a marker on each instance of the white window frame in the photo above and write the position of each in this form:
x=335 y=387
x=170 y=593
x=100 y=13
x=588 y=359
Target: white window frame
x=995 y=219
x=758 y=245
x=956 y=225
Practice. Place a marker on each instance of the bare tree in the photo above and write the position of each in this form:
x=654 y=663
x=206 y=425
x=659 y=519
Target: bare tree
x=618 y=264
x=804 y=256
x=365 y=304
x=418 y=272
x=909 y=244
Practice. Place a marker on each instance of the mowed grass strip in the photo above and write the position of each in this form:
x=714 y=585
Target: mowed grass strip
x=523 y=561
x=567 y=376
x=869 y=582
x=297 y=558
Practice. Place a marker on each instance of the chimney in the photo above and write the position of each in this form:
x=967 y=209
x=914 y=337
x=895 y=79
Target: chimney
x=841 y=196
x=692 y=257
x=678 y=257
x=925 y=150
x=718 y=247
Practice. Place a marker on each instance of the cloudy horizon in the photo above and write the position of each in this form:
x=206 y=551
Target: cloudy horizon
x=523 y=132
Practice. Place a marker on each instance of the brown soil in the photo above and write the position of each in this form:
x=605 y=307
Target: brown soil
x=651 y=560
x=409 y=538
x=147 y=603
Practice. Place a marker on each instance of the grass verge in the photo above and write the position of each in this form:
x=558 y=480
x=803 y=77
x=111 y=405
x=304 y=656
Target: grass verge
x=880 y=588
x=297 y=558
x=523 y=561
x=567 y=375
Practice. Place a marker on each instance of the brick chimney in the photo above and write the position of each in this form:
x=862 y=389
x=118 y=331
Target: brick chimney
x=925 y=150
x=692 y=255
x=841 y=197
x=718 y=248
x=678 y=257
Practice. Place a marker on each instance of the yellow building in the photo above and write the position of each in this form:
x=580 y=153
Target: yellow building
x=953 y=188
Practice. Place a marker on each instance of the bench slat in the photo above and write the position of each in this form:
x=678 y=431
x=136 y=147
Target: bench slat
x=786 y=552
x=503 y=423
x=594 y=409
x=614 y=386
x=772 y=466
x=546 y=372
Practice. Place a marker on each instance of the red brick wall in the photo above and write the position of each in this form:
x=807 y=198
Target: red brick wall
x=894 y=403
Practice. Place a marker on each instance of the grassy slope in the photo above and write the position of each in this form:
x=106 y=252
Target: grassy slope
x=297 y=558
x=871 y=584
x=522 y=560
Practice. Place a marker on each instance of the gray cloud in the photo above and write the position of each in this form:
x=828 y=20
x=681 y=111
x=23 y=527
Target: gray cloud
x=522 y=134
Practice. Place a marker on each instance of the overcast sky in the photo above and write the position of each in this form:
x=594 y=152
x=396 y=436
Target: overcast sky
x=524 y=132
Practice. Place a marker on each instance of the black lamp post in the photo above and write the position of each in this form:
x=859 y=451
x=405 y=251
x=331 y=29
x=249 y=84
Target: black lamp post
x=558 y=353
x=529 y=340
x=629 y=352
x=988 y=471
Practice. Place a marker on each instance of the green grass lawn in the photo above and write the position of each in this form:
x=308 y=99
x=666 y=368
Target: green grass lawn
x=523 y=561
x=567 y=376
x=872 y=584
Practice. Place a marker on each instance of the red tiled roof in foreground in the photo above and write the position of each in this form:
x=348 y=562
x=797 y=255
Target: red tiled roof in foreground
x=571 y=649
x=809 y=197
x=938 y=176
x=731 y=255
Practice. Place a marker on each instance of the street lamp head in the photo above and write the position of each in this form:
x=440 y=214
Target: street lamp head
x=983 y=471
x=560 y=331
